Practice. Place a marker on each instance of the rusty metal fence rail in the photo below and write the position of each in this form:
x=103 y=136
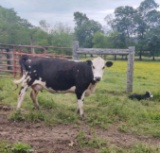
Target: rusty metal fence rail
x=10 y=55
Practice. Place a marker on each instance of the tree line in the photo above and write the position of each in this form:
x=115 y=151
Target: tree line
x=127 y=26
x=15 y=30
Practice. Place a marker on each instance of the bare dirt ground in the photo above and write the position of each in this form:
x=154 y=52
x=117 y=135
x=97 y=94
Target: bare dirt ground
x=62 y=138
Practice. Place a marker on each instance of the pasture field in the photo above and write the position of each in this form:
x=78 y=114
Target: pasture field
x=113 y=124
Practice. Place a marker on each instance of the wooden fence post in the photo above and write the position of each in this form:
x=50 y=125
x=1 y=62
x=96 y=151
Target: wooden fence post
x=75 y=47
x=9 y=57
x=130 y=69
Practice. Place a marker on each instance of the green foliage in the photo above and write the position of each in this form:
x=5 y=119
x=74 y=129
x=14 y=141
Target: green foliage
x=62 y=38
x=17 y=116
x=140 y=148
x=124 y=23
x=18 y=147
x=85 y=29
x=94 y=142
x=144 y=23
x=105 y=147
x=81 y=138
x=22 y=148
x=36 y=116
x=32 y=116
x=4 y=147
x=13 y=29
x=153 y=40
x=138 y=27
x=99 y=40
x=48 y=104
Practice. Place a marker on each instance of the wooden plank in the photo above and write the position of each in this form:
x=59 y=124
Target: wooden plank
x=101 y=51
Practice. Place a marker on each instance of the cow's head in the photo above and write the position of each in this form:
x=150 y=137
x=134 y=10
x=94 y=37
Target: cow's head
x=148 y=94
x=98 y=65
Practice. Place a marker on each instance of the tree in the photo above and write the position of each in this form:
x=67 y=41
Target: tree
x=44 y=26
x=85 y=29
x=124 y=23
x=109 y=23
x=153 y=41
x=62 y=36
x=99 y=40
x=80 y=18
x=13 y=28
x=143 y=22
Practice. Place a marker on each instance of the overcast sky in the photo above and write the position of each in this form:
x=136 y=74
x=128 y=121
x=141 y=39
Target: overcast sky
x=55 y=11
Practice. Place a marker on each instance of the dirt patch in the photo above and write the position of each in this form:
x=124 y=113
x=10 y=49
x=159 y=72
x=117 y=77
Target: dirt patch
x=5 y=108
x=62 y=138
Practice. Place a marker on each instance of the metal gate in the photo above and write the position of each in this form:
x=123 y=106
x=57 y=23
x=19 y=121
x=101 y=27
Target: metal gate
x=10 y=55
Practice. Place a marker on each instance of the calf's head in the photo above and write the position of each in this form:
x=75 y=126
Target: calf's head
x=98 y=65
x=148 y=94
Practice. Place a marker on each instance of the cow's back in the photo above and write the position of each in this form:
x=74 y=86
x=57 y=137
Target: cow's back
x=60 y=74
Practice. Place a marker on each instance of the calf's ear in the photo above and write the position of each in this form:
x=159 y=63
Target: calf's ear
x=109 y=64
x=89 y=62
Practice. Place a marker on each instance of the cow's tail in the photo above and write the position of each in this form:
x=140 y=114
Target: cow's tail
x=21 y=79
x=23 y=70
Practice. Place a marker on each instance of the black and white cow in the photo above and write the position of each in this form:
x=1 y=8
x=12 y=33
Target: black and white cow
x=59 y=75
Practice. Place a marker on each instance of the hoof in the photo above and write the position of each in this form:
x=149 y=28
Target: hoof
x=18 y=110
x=78 y=111
x=36 y=108
x=83 y=117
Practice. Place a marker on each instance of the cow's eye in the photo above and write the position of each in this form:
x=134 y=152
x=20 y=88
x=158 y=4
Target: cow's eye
x=93 y=67
x=103 y=67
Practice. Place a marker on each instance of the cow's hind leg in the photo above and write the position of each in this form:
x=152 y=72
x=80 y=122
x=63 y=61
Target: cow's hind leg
x=22 y=94
x=34 y=94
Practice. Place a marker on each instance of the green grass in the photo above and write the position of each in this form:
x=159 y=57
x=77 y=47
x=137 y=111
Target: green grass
x=109 y=105
x=6 y=147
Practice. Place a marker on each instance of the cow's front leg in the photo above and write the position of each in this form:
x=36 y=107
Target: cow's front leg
x=80 y=108
x=80 y=99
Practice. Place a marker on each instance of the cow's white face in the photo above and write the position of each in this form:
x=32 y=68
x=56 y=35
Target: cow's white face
x=98 y=65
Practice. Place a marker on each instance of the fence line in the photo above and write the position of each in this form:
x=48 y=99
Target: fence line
x=9 y=58
x=11 y=53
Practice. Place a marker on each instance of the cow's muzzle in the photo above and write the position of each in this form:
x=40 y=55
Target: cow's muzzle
x=97 y=79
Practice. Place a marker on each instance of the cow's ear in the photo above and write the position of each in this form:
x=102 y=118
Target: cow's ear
x=109 y=64
x=89 y=62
